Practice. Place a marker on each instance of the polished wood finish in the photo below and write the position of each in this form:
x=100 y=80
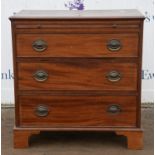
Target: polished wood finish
x=77 y=95
x=21 y=138
x=77 y=45
x=78 y=111
x=74 y=26
x=91 y=14
x=134 y=136
x=134 y=139
x=77 y=75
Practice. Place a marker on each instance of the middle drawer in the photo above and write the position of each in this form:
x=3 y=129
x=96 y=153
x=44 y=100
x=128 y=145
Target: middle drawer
x=84 y=74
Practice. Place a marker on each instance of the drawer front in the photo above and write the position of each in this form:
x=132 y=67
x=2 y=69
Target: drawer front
x=77 y=111
x=77 y=45
x=73 y=74
x=64 y=26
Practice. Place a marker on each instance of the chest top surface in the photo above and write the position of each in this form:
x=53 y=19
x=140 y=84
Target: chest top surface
x=65 y=14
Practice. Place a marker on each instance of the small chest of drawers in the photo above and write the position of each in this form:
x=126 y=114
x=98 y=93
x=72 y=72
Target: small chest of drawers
x=77 y=71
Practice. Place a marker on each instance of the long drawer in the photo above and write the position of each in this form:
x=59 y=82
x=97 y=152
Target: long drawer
x=77 y=45
x=72 y=74
x=77 y=111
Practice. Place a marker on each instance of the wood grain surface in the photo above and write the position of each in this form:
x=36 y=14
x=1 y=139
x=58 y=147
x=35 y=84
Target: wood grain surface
x=87 y=74
x=77 y=91
x=78 y=45
x=65 y=14
x=77 y=111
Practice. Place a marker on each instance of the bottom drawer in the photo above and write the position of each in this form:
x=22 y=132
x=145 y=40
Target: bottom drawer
x=77 y=111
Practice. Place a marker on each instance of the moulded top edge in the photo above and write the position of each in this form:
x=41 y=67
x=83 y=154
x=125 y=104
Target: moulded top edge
x=74 y=14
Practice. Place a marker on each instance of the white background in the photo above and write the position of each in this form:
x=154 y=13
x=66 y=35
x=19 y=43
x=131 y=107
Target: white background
x=11 y=6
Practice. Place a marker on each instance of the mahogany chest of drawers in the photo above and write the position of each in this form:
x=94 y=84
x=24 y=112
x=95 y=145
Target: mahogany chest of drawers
x=77 y=71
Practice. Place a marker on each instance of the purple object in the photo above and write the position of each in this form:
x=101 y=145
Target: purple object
x=75 y=5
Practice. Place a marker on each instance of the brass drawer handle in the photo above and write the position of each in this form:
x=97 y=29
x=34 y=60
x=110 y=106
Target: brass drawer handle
x=39 y=45
x=113 y=76
x=114 y=109
x=40 y=76
x=114 y=45
x=41 y=111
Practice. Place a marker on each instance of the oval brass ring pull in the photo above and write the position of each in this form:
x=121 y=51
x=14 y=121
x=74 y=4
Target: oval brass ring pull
x=40 y=76
x=41 y=111
x=114 y=109
x=113 y=76
x=114 y=45
x=39 y=45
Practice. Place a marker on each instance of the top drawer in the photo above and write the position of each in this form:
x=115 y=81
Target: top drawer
x=77 y=45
